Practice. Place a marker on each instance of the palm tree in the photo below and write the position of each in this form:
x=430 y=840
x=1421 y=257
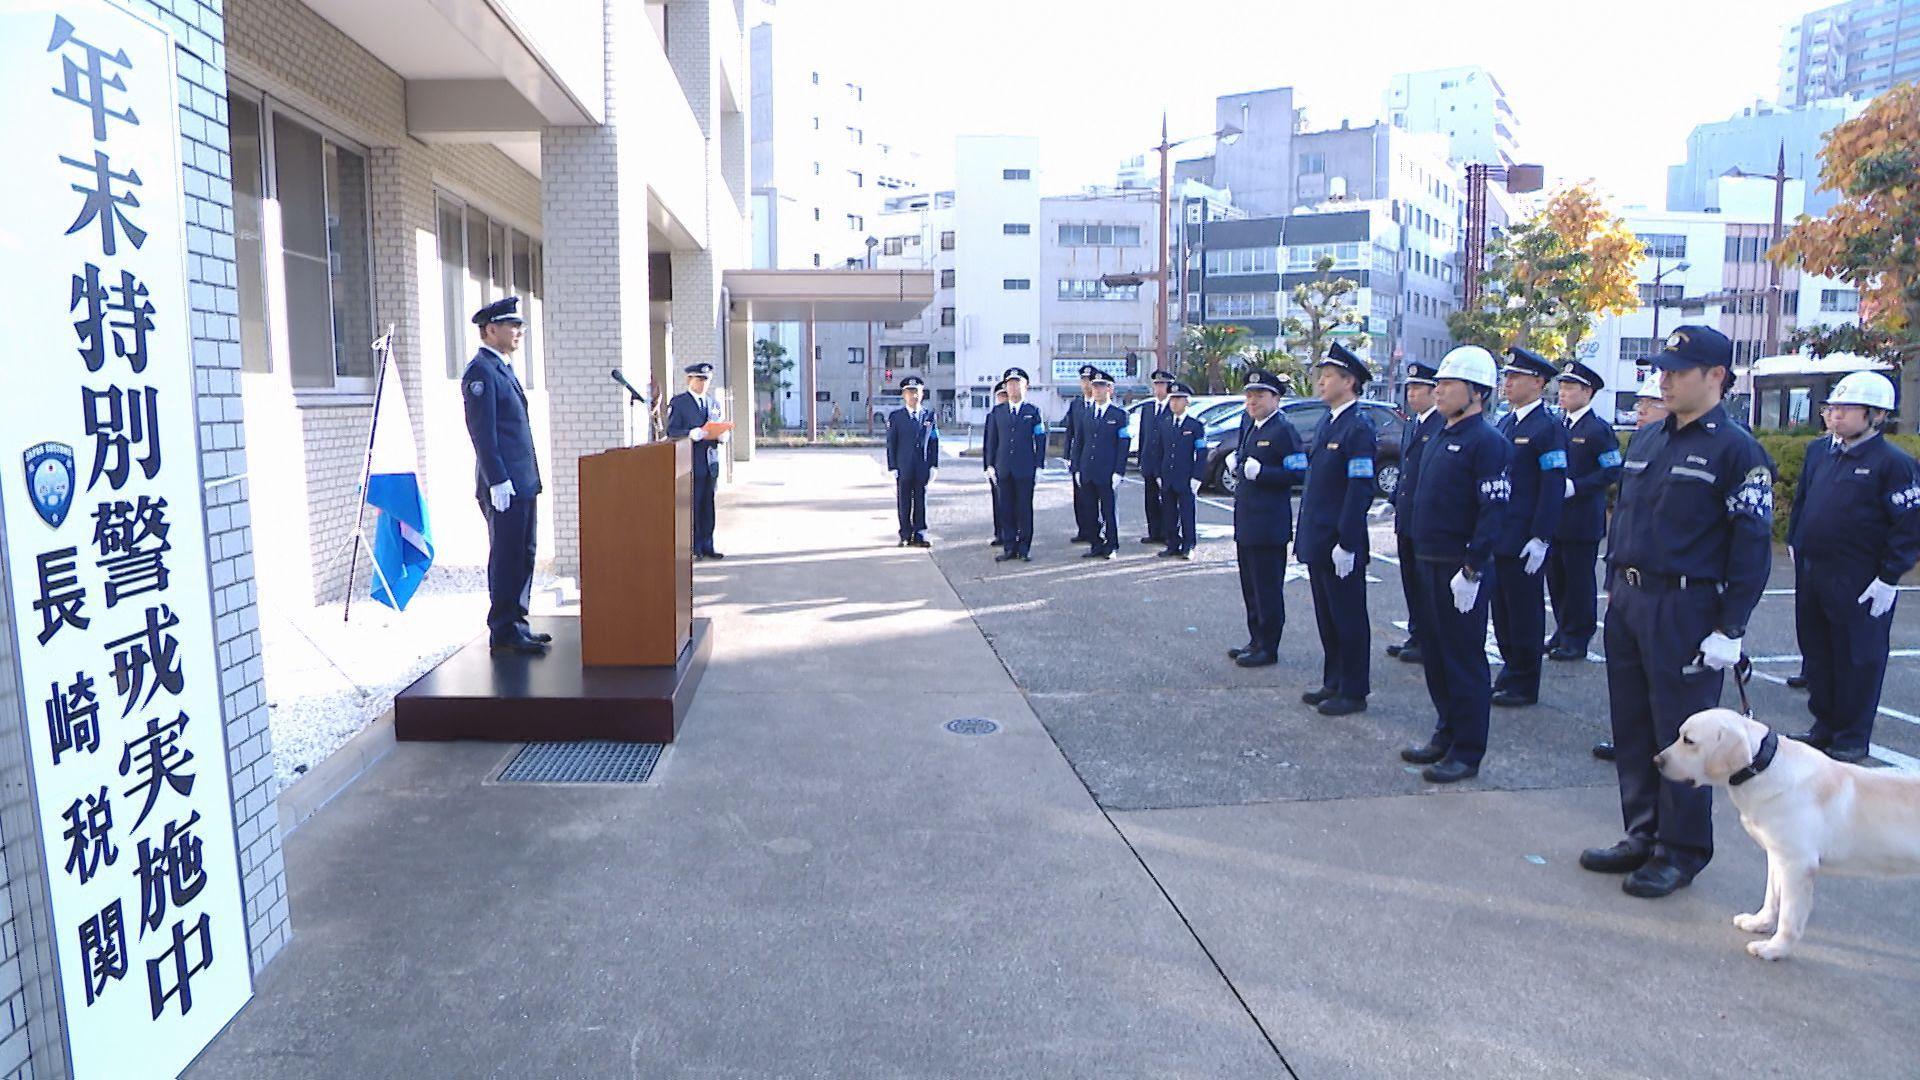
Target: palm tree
x=1210 y=348
x=1284 y=364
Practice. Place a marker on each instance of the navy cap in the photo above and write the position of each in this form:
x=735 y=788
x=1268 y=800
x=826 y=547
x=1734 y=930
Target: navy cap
x=1695 y=346
x=702 y=369
x=1419 y=374
x=1528 y=362
x=1258 y=379
x=1581 y=373
x=1160 y=375
x=1015 y=373
x=1088 y=371
x=1100 y=378
x=1000 y=387
x=1180 y=389
x=913 y=382
x=1342 y=357
x=505 y=309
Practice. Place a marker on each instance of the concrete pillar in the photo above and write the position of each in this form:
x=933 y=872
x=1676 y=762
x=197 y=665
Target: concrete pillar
x=740 y=375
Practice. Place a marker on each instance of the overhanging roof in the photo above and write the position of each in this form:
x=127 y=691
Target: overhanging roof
x=828 y=295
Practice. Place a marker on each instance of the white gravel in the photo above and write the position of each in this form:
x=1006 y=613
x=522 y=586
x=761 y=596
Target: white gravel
x=326 y=678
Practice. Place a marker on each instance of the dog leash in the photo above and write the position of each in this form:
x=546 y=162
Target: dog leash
x=1742 y=671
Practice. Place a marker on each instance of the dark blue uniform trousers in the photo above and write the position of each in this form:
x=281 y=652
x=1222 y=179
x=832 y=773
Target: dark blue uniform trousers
x=1016 y=513
x=1340 y=608
x=510 y=540
x=1086 y=511
x=703 y=512
x=1454 y=653
x=1572 y=584
x=1652 y=633
x=1263 y=572
x=1176 y=518
x=999 y=514
x=1106 y=514
x=1519 y=625
x=1154 y=507
x=910 y=505
x=1409 y=586
x=1844 y=649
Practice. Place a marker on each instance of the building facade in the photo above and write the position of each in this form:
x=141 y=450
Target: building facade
x=1465 y=104
x=1753 y=140
x=1858 y=48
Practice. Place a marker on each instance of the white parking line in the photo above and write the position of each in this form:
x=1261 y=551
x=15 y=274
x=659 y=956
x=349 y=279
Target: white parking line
x=1892 y=757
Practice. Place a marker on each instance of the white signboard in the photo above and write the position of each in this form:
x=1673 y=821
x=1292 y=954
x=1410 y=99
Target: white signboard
x=101 y=499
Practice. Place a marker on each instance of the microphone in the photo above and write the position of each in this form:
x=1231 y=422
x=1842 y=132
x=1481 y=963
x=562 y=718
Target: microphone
x=622 y=380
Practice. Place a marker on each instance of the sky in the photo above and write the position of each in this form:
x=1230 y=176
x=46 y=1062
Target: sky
x=1609 y=98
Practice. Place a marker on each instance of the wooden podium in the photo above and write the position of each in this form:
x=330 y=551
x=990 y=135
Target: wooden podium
x=628 y=667
x=636 y=555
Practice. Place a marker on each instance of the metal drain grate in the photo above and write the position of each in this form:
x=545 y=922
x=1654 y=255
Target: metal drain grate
x=972 y=725
x=582 y=763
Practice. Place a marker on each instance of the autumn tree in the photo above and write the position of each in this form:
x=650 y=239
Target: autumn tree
x=1870 y=239
x=1551 y=278
x=1210 y=348
x=1328 y=312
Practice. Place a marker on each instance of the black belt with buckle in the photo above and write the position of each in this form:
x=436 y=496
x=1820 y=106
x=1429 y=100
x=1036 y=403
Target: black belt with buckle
x=1651 y=581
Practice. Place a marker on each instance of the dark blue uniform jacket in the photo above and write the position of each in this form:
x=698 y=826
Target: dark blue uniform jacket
x=913 y=443
x=1016 y=441
x=1333 y=510
x=1101 y=450
x=497 y=421
x=1859 y=506
x=1593 y=464
x=1462 y=501
x=1263 y=506
x=1537 y=472
x=1413 y=441
x=684 y=413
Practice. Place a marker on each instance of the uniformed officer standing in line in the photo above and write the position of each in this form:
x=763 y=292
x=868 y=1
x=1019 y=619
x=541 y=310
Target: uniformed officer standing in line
x=1267 y=462
x=1691 y=550
x=1537 y=471
x=1426 y=420
x=1459 y=507
x=687 y=415
x=913 y=455
x=986 y=464
x=1332 y=537
x=1183 y=464
x=1152 y=447
x=1593 y=467
x=506 y=475
x=1648 y=408
x=1104 y=438
x=1855 y=530
x=1086 y=515
x=1017 y=439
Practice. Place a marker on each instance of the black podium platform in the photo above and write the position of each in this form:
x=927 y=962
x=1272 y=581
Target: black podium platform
x=474 y=694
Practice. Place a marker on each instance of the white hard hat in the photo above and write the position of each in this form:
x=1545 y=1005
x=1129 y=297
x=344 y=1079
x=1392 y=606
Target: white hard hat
x=1863 y=388
x=1650 y=389
x=1469 y=363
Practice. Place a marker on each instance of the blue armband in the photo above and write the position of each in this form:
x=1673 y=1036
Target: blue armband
x=1360 y=468
x=1296 y=462
x=1553 y=459
x=1610 y=459
x=1040 y=429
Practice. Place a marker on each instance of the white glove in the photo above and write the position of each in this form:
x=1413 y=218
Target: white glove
x=1342 y=561
x=1881 y=594
x=1196 y=485
x=1569 y=487
x=1233 y=460
x=501 y=495
x=1464 y=592
x=1536 y=555
x=993 y=475
x=697 y=434
x=895 y=472
x=1253 y=468
x=1719 y=651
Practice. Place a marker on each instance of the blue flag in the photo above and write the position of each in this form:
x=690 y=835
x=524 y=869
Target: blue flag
x=402 y=536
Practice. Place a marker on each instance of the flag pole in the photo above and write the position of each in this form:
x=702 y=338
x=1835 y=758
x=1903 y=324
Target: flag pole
x=384 y=348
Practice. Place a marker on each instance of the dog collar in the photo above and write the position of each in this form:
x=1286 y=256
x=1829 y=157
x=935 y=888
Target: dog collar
x=1760 y=761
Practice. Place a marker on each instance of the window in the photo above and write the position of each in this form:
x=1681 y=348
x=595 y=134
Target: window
x=1307 y=256
x=946 y=279
x=856 y=136
x=1664 y=245
x=1666 y=294
x=946 y=316
x=1099 y=236
x=816 y=259
x=856 y=354
x=326 y=261
x=823 y=397
x=856 y=223
x=944 y=356
x=859 y=180
x=816 y=213
x=1746 y=249
x=1016 y=174
x=816 y=78
x=856 y=395
x=1109 y=344
x=816 y=168
x=1092 y=289
x=1015 y=228
x=816 y=123
x=1312 y=163
x=1240 y=305
x=902 y=356
x=894 y=245
x=1839 y=300
x=249 y=197
x=1638 y=348
x=946 y=240
x=1240 y=261
x=1016 y=284
x=1016 y=339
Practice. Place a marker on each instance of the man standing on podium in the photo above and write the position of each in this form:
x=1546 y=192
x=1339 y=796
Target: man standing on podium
x=506 y=475
x=687 y=416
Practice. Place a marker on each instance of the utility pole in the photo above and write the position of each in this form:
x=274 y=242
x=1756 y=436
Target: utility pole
x=1773 y=240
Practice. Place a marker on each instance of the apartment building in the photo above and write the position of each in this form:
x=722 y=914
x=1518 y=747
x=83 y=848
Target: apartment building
x=1853 y=49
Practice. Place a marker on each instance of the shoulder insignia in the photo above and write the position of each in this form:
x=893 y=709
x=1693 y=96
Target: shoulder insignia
x=476 y=388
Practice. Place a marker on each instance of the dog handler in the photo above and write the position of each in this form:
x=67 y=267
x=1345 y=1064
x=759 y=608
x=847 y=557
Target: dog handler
x=1855 y=529
x=1692 y=547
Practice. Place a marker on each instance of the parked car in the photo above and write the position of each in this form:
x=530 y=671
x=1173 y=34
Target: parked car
x=1198 y=407
x=1305 y=415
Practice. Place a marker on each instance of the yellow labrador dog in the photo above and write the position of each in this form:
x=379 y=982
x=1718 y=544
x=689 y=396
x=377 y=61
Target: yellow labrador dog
x=1809 y=812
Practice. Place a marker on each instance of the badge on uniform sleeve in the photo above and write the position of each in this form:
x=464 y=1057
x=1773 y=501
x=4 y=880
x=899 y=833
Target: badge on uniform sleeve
x=1333 y=446
x=476 y=388
x=1264 y=442
x=1754 y=496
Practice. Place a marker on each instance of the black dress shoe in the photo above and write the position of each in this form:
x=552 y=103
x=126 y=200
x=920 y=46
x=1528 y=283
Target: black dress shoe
x=711 y=554
x=1005 y=556
x=1798 y=682
x=1256 y=658
x=525 y=646
x=1394 y=650
x=541 y=638
x=1412 y=655
x=920 y=542
x=1342 y=706
x=1425 y=754
x=1656 y=879
x=1624 y=857
x=1079 y=539
x=1813 y=739
x=1094 y=554
x=1166 y=553
x=1449 y=772
x=1185 y=556
x=1603 y=750
x=1566 y=653
x=1153 y=540
x=1507 y=699
x=1024 y=557
x=1234 y=654
x=1849 y=755
x=1315 y=697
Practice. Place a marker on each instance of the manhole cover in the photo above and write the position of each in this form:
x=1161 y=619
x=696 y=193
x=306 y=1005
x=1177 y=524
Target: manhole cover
x=596 y=762
x=972 y=725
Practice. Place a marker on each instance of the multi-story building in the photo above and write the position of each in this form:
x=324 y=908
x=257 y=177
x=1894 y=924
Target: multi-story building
x=1084 y=239
x=1857 y=48
x=1710 y=268
x=1752 y=140
x=1465 y=104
